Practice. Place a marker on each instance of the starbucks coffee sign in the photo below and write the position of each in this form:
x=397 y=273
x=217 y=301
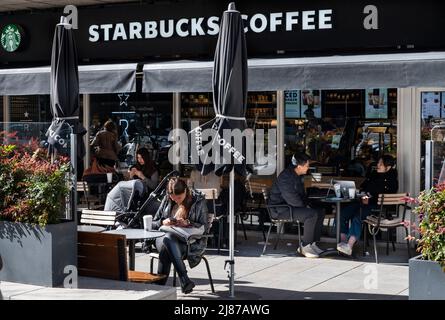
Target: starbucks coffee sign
x=11 y=37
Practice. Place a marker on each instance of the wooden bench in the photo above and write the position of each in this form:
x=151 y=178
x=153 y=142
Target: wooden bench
x=104 y=255
x=101 y=218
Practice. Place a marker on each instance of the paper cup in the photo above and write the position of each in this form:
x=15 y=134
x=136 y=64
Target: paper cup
x=148 y=219
x=352 y=193
x=109 y=177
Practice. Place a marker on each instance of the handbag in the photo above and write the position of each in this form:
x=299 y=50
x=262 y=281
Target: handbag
x=183 y=232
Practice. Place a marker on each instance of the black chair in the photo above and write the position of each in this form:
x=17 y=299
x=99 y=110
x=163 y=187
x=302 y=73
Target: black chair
x=212 y=195
x=189 y=252
x=274 y=220
x=387 y=218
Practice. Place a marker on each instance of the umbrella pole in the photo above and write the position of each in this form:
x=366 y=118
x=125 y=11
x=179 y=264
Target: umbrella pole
x=73 y=176
x=232 y=234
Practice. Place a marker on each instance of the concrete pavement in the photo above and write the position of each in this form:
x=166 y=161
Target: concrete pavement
x=282 y=275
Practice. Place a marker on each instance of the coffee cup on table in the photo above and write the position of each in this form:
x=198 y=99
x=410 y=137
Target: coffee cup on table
x=351 y=193
x=148 y=219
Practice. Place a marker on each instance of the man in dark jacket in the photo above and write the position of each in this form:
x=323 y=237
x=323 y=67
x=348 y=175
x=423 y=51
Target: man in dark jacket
x=289 y=189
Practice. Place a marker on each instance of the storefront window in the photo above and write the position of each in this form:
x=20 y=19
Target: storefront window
x=143 y=120
x=261 y=113
x=433 y=114
x=343 y=131
x=31 y=108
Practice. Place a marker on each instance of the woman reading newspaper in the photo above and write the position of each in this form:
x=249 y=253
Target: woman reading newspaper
x=182 y=212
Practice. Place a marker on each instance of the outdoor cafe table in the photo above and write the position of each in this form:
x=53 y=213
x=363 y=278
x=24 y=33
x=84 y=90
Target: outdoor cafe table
x=338 y=202
x=134 y=235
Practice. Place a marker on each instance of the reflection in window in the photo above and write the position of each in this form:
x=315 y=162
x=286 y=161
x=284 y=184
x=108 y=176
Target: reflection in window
x=143 y=120
x=30 y=108
x=343 y=131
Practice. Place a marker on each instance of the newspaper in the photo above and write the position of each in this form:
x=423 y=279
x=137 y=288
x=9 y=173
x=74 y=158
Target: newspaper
x=182 y=231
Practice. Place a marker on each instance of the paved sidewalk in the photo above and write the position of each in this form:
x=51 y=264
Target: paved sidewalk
x=280 y=274
x=88 y=289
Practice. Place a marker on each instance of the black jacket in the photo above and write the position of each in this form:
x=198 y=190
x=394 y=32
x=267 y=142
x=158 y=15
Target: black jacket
x=378 y=183
x=198 y=216
x=288 y=188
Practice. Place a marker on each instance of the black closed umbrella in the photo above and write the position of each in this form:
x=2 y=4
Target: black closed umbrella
x=229 y=97
x=64 y=93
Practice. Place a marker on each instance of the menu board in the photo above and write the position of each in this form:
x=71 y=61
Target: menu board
x=376 y=106
x=430 y=105
x=292 y=103
x=310 y=103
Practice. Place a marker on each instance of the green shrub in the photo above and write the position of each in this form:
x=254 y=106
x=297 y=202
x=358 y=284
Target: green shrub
x=32 y=189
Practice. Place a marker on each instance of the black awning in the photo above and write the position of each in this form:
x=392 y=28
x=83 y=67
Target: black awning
x=399 y=70
x=113 y=78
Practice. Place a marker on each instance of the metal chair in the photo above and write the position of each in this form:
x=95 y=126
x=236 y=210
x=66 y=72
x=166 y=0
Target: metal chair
x=189 y=252
x=274 y=220
x=387 y=218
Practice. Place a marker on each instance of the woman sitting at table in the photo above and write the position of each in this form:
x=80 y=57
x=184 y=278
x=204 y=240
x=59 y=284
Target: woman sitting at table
x=145 y=170
x=382 y=180
x=182 y=207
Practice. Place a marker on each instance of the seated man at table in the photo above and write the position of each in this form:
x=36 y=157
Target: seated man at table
x=382 y=180
x=288 y=189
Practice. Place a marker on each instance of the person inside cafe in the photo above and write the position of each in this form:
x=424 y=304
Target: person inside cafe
x=106 y=146
x=184 y=207
x=381 y=180
x=145 y=169
x=288 y=189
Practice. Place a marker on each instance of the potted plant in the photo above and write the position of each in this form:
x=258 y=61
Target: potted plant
x=427 y=271
x=36 y=243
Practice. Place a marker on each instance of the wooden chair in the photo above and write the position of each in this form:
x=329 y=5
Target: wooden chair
x=104 y=255
x=253 y=205
x=387 y=218
x=87 y=201
x=212 y=195
x=105 y=219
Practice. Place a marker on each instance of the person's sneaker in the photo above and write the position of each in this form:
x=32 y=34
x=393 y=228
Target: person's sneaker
x=307 y=251
x=344 y=248
x=316 y=248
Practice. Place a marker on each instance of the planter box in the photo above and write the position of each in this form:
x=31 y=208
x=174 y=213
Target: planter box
x=426 y=280
x=34 y=255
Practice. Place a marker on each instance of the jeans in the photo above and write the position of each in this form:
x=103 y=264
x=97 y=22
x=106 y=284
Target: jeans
x=356 y=212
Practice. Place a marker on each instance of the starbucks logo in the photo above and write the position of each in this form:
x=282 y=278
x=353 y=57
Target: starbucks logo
x=11 y=37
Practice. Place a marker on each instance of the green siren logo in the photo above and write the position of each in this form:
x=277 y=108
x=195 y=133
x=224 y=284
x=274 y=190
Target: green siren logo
x=11 y=37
